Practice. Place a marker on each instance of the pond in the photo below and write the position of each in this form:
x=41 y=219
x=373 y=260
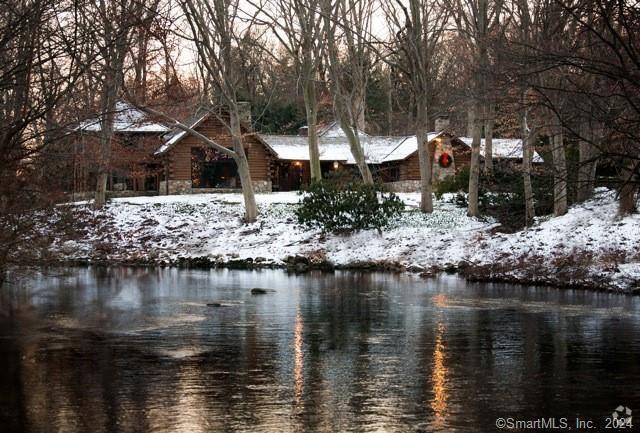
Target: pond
x=133 y=350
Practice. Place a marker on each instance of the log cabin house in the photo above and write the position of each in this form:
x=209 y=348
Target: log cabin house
x=281 y=162
x=181 y=163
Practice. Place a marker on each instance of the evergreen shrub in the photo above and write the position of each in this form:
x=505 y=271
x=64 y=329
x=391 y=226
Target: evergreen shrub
x=452 y=184
x=334 y=205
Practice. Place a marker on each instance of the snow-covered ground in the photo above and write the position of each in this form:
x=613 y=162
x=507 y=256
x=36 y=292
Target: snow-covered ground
x=588 y=246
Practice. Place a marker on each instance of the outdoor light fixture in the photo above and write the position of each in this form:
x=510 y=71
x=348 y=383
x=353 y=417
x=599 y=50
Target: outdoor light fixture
x=336 y=165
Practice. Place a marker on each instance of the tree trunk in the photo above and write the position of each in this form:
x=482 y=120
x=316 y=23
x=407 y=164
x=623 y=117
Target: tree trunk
x=311 y=106
x=628 y=191
x=240 y=157
x=473 y=208
x=528 y=141
x=627 y=204
x=106 y=135
x=488 y=140
x=250 y=207
x=101 y=190
x=559 y=175
x=112 y=84
x=390 y=105
x=470 y=118
x=587 y=162
x=424 y=157
x=358 y=109
x=356 y=148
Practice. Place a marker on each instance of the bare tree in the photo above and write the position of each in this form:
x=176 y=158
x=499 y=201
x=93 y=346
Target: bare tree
x=591 y=132
x=522 y=14
x=582 y=62
x=107 y=27
x=560 y=201
x=418 y=28
x=476 y=20
x=142 y=37
x=216 y=26
x=298 y=26
x=490 y=120
x=37 y=73
x=349 y=21
x=529 y=137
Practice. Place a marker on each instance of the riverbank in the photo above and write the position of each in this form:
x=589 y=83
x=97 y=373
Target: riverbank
x=589 y=247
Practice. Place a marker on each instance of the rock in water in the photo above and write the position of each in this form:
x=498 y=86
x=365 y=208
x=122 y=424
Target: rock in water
x=259 y=291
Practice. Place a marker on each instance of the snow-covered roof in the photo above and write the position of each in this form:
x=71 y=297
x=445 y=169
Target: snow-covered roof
x=333 y=130
x=176 y=135
x=334 y=146
x=407 y=147
x=127 y=118
x=507 y=148
x=376 y=149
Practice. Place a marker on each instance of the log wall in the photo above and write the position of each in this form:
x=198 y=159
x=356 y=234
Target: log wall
x=178 y=158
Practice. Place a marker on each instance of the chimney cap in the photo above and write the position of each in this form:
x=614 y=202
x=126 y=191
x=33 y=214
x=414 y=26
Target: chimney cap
x=441 y=122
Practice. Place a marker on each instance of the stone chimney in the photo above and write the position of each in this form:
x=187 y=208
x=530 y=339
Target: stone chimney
x=244 y=110
x=442 y=122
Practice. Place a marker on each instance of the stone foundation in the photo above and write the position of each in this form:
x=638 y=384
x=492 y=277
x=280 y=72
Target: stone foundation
x=403 y=186
x=262 y=186
x=176 y=187
x=184 y=187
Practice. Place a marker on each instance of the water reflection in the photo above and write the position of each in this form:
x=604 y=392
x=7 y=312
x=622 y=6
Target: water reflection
x=132 y=350
x=298 y=360
x=439 y=378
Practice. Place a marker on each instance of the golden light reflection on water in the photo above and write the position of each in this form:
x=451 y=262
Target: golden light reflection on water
x=440 y=300
x=191 y=404
x=298 y=360
x=439 y=378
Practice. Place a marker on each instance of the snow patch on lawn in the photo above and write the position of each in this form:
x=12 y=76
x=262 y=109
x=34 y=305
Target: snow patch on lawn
x=592 y=227
x=166 y=228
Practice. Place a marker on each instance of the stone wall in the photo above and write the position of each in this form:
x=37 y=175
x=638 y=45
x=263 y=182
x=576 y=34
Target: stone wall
x=403 y=186
x=262 y=186
x=184 y=187
x=439 y=173
x=177 y=187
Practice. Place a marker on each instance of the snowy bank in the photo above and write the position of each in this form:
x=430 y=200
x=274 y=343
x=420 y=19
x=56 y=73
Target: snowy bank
x=588 y=247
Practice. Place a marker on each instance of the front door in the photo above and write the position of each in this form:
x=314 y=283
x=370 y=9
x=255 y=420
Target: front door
x=290 y=176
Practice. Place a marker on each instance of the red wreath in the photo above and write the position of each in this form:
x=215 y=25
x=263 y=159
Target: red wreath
x=445 y=160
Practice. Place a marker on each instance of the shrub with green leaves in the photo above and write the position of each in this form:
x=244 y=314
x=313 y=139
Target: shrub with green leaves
x=501 y=195
x=452 y=184
x=338 y=207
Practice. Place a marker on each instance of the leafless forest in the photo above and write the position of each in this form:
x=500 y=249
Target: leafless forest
x=563 y=75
